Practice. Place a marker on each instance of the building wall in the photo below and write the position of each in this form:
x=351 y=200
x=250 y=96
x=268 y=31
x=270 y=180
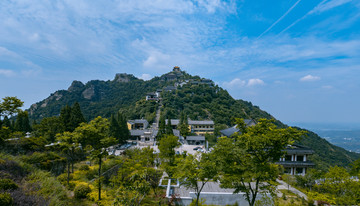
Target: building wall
x=213 y=198
x=202 y=129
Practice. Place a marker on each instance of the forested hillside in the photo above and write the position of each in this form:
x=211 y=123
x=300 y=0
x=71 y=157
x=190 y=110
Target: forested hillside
x=96 y=97
x=199 y=101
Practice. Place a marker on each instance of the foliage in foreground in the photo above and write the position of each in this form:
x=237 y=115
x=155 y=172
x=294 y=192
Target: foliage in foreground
x=246 y=162
x=34 y=187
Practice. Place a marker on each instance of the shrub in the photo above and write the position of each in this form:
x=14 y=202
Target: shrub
x=6 y=199
x=84 y=168
x=8 y=184
x=49 y=161
x=15 y=170
x=63 y=178
x=49 y=187
x=81 y=190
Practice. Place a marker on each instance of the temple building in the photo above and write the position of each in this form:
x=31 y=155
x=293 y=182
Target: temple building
x=296 y=161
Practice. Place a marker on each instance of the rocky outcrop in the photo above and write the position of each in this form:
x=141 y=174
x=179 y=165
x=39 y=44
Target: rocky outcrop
x=123 y=77
x=76 y=86
x=89 y=93
x=57 y=96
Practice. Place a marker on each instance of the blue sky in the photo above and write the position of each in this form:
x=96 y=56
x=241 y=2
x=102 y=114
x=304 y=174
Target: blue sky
x=297 y=59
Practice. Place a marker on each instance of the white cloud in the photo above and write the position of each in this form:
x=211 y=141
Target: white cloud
x=155 y=59
x=235 y=83
x=7 y=72
x=254 y=82
x=324 y=6
x=309 y=78
x=145 y=77
x=212 y=5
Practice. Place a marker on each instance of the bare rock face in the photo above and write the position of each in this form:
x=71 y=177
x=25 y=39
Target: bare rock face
x=76 y=86
x=122 y=77
x=32 y=109
x=89 y=93
x=57 y=96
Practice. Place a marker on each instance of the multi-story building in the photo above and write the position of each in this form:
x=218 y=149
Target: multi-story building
x=198 y=127
x=201 y=127
x=137 y=124
x=296 y=160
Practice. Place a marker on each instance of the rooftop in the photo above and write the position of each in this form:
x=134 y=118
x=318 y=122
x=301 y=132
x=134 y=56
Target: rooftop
x=195 y=138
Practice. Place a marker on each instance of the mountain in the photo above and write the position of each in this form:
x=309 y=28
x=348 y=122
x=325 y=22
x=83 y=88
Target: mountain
x=96 y=97
x=199 y=98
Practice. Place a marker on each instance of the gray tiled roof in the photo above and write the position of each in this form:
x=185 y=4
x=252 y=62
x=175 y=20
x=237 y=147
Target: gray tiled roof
x=229 y=131
x=298 y=149
x=140 y=132
x=137 y=132
x=192 y=122
x=173 y=121
x=249 y=122
x=144 y=121
x=195 y=138
x=200 y=122
x=176 y=132
x=169 y=88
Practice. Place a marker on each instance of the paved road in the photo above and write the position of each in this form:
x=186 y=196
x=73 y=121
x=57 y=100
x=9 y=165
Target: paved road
x=284 y=186
x=157 y=119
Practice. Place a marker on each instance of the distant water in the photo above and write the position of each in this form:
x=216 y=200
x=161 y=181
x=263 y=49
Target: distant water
x=345 y=135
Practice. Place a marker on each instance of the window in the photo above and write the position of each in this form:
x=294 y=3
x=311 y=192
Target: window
x=300 y=158
x=287 y=157
x=287 y=170
x=299 y=170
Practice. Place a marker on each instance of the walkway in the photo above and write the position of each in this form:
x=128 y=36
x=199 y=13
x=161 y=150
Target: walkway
x=284 y=186
x=157 y=119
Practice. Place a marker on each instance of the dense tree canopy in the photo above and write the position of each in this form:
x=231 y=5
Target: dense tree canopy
x=167 y=145
x=247 y=163
x=95 y=135
x=10 y=106
x=195 y=171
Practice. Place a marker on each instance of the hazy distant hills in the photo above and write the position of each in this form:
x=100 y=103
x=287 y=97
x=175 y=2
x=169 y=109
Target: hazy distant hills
x=348 y=139
x=199 y=98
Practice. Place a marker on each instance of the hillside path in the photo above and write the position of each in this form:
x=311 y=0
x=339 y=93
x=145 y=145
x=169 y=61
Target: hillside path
x=157 y=119
x=284 y=186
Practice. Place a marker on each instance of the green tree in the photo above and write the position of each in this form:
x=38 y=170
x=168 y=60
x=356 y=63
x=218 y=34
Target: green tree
x=184 y=126
x=70 y=148
x=65 y=116
x=136 y=177
x=337 y=188
x=168 y=129
x=115 y=130
x=162 y=128
x=247 y=163
x=10 y=106
x=48 y=128
x=95 y=134
x=76 y=116
x=167 y=145
x=6 y=123
x=195 y=171
x=4 y=134
x=355 y=168
x=124 y=130
x=22 y=123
